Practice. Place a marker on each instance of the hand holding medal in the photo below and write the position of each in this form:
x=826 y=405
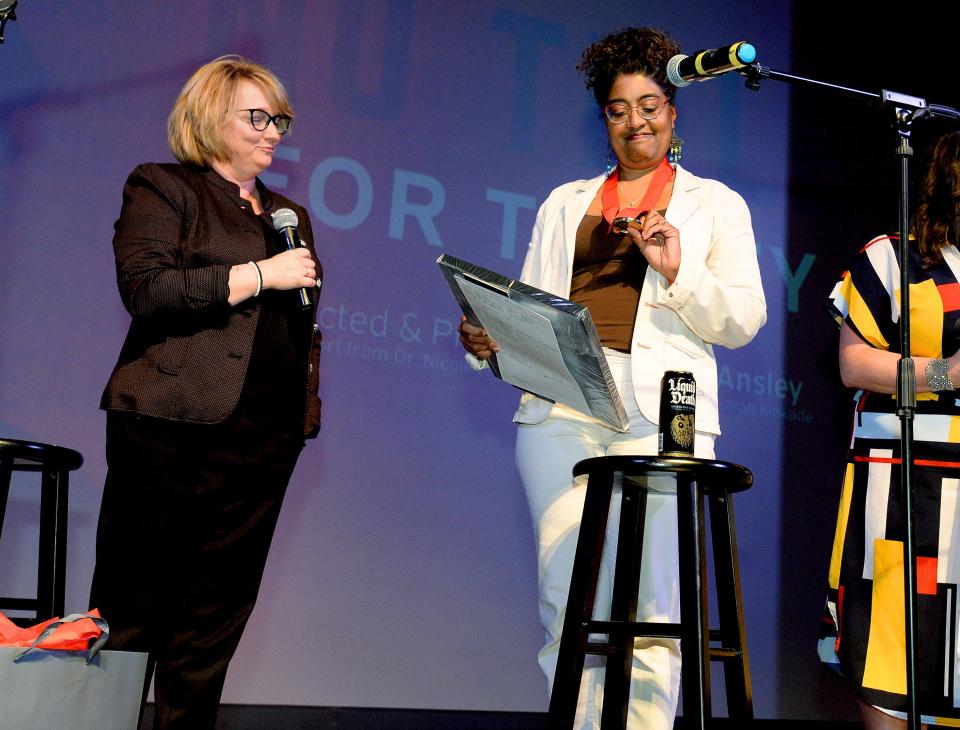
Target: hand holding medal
x=646 y=228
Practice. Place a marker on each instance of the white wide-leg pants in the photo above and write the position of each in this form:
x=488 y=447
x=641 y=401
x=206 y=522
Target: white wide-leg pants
x=546 y=454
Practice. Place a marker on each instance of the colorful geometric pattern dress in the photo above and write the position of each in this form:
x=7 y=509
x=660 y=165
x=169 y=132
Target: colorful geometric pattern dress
x=863 y=625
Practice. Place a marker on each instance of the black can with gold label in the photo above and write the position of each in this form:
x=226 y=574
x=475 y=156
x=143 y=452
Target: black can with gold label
x=678 y=411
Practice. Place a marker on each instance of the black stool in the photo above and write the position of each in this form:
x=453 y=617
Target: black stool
x=54 y=463
x=695 y=479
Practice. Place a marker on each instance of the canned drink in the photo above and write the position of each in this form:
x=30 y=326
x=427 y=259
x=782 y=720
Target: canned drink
x=678 y=411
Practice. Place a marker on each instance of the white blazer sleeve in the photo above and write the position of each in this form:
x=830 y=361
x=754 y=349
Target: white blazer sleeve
x=720 y=296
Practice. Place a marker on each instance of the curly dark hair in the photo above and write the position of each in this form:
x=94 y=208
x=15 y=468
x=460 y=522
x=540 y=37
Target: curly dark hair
x=936 y=221
x=628 y=51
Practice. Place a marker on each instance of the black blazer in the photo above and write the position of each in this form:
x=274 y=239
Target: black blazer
x=185 y=357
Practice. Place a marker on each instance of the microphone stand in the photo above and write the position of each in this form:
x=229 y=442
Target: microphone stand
x=905 y=109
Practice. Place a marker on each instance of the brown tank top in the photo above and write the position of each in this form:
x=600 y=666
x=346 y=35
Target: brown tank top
x=608 y=271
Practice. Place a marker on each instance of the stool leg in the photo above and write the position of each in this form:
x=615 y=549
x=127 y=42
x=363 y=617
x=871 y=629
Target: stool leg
x=53 y=544
x=694 y=606
x=6 y=472
x=623 y=607
x=730 y=607
x=580 y=600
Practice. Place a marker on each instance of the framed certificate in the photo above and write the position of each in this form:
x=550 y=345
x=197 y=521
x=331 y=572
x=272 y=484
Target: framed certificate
x=548 y=344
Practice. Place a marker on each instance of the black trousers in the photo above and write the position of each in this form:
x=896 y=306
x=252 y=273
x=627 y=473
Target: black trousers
x=186 y=521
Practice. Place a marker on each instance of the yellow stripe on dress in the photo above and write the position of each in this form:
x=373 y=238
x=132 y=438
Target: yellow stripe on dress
x=941 y=721
x=845 y=497
x=926 y=320
x=885 y=667
x=862 y=318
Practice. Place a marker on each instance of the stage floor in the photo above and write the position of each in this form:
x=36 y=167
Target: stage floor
x=282 y=717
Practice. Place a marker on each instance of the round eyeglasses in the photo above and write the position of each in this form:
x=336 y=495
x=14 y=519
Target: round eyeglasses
x=260 y=120
x=649 y=108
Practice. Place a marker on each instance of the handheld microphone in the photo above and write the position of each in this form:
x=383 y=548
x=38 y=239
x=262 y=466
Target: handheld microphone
x=285 y=222
x=703 y=65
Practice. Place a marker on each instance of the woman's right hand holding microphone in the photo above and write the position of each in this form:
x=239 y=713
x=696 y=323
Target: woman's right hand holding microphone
x=291 y=269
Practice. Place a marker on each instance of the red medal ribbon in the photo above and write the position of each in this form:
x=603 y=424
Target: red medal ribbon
x=611 y=201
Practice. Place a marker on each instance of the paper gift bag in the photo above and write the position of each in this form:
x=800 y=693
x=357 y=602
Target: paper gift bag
x=55 y=690
x=54 y=676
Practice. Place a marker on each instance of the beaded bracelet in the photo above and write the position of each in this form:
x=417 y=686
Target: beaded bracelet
x=259 y=278
x=938 y=375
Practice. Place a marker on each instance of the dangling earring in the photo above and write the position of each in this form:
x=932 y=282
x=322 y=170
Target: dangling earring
x=611 y=160
x=675 y=149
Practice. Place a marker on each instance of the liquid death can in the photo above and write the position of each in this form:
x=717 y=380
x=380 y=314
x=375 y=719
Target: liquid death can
x=678 y=410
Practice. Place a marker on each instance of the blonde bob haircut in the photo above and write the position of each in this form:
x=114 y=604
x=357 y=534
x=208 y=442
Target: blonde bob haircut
x=205 y=105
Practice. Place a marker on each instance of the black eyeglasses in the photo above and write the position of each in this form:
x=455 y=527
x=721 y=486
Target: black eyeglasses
x=260 y=120
x=649 y=108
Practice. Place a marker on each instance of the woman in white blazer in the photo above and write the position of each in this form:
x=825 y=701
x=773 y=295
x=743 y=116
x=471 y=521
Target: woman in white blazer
x=661 y=297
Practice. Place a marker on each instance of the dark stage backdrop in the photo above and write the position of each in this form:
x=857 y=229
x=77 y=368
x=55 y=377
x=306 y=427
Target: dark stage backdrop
x=403 y=571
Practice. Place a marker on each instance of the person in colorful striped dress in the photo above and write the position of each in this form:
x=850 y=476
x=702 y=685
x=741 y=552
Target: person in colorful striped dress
x=863 y=625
